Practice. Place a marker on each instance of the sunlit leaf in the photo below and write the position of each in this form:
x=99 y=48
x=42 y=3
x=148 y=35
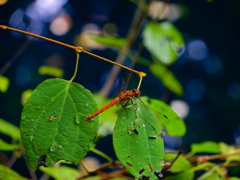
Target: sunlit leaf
x=8 y=174
x=52 y=122
x=166 y=116
x=206 y=147
x=111 y=41
x=163 y=40
x=25 y=95
x=137 y=140
x=187 y=175
x=226 y=149
x=4 y=146
x=61 y=172
x=4 y=83
x=181 y=163
x=167 y=77
x=9 y=129
x=50 y=70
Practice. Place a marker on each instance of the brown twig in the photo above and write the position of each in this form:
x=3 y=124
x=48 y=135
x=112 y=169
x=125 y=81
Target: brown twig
x=131 y=37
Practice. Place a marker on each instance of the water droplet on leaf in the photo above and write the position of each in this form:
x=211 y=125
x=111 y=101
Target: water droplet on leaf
x=86 y=105
x=38 y=107
x=77 y=118
x=31 y=138
x=60 y=146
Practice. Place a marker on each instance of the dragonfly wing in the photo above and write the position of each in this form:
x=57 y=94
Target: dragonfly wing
x=137 y=140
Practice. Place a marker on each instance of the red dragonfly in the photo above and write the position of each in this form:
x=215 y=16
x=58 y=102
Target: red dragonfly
x=125 y=95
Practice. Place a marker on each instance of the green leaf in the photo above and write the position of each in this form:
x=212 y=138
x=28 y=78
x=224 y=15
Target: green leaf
x=174 y=125
x=111 y=41
x=9 y=129
x=181 y=163
x=61 y=172
x=167 y=77
x=206 y=147
x=4 y=146
x=137 y=140
x=163 y=40
x=8 y=174
x=50 y=70
x=52 y=122
x=187 y=175
x=4 y=83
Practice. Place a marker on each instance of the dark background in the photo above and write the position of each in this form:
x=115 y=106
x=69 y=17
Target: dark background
x=211 y=84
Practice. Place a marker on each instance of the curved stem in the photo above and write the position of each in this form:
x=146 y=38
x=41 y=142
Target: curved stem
x=84 y=167
x=76 y=67
x=100 y=153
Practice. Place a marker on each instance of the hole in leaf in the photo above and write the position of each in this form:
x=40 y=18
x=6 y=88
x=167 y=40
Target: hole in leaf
x=135 y=131
x=24 y=134
x=128 y=156
x=129 y=164
x=141 y=171
x=42 y=161
x=158 y=174
x=152 y=138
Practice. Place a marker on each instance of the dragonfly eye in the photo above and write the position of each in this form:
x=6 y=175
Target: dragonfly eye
x=136 y=92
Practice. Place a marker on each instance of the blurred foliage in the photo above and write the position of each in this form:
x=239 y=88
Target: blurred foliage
x=110 y=41
x=50 y=70
x=25 y=95
x=4 y=83
x=8 y=174
x=163 y=40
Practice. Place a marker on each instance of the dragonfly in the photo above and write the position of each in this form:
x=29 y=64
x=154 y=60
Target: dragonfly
x=125 y=95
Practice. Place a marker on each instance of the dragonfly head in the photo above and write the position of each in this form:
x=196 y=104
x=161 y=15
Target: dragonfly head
x=136 y=92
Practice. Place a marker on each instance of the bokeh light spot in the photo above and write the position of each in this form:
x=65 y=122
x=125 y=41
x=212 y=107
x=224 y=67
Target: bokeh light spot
x=2 y=2
x=197 y=50
x=158 y=10
x=85 y=38
x=172 y=142
x=180 y=107
x=61 y=25
x=109 y=29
